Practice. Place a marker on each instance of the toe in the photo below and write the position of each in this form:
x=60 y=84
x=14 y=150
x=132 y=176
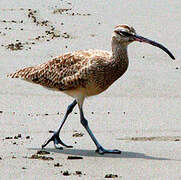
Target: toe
x=57 y=146
x=101 y=151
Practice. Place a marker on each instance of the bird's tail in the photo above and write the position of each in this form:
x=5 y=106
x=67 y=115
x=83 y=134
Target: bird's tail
x=25 y=73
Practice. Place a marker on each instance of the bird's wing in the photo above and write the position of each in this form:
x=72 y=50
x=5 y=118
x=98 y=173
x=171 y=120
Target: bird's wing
x=64 y=72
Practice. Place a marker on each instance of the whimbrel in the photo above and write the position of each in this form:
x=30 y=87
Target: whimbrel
x=85 y=73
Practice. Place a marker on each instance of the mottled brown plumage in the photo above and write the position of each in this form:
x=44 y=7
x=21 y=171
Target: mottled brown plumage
x=85 y=73
x=90 y=71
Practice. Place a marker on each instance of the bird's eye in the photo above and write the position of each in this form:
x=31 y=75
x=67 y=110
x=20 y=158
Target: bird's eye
x=124 y=33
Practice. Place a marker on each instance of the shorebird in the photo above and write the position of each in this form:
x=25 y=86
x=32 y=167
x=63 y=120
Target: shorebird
x=85 y=73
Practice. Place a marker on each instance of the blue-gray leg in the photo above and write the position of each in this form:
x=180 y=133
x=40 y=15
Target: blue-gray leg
x=55 y=138
x=100 y=149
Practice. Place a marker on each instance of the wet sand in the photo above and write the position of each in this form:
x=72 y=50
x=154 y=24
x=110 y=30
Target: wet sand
x=139 y=114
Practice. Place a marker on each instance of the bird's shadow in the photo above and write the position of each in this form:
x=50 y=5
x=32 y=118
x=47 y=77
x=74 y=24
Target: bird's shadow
x=92 y=153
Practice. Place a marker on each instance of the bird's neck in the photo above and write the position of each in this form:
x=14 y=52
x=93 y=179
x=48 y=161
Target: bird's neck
x=119 y=52
x=119 y=60
x=117 y=65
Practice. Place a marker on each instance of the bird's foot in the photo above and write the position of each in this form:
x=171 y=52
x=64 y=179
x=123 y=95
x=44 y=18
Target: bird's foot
x=56 y=140
x=101 y=150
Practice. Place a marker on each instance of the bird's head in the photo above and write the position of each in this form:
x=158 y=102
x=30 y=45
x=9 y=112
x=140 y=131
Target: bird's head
x=124 y=35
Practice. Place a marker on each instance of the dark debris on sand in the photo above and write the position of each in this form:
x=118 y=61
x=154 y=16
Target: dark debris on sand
x=39 y=154
x=78 y=134
x=74 y=157
x=111 y=176
x=36 y=156
x=66 y=173
x=58 y=165
x=42 y=152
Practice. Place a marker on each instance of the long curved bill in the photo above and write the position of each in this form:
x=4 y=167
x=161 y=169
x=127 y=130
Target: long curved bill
x=145 y=40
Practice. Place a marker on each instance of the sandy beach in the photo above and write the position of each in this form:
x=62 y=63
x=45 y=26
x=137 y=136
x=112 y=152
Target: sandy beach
x=140 y=114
